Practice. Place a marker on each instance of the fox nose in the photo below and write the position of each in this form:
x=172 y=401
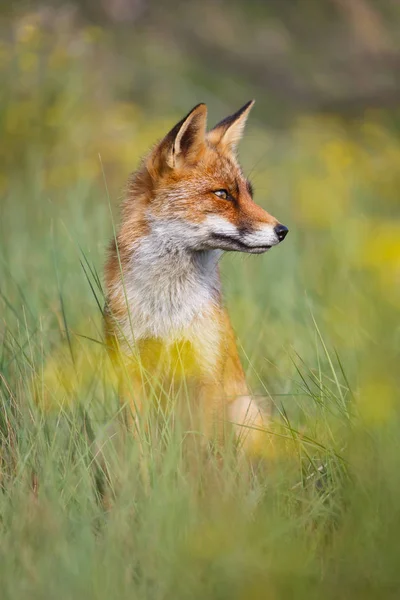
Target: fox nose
x=281 y=231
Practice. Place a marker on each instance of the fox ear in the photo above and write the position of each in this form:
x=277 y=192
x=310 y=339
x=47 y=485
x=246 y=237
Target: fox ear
x=184 y=143
x=228 y=133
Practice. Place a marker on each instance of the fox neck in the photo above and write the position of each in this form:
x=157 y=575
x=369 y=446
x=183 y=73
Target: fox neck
x=169 y=287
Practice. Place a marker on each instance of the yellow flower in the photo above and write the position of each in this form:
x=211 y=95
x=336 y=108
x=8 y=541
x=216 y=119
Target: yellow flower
x=321 y=200
x=376 y=402
x=380 y=250
x=25 y=33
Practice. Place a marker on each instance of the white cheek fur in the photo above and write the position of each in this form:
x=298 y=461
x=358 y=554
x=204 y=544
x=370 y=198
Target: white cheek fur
x=264 y=236
x=221 y=226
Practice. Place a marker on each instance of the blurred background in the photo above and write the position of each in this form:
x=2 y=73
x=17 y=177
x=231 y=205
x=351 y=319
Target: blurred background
x=85 y=89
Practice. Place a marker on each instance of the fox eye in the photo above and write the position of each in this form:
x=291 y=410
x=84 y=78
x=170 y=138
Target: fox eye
x=222 y=194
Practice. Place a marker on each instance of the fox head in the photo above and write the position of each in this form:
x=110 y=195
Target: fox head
x=196 y=195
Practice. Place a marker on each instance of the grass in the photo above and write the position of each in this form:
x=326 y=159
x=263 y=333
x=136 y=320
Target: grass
x=317 y=324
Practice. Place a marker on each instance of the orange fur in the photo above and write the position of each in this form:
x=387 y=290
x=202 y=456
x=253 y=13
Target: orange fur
x=165 y=320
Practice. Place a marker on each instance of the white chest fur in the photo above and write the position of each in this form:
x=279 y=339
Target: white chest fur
x=171 y=293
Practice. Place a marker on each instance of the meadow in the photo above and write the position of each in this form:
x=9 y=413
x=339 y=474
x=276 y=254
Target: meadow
x=317 y=326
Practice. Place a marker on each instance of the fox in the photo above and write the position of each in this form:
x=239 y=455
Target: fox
x=165 y=320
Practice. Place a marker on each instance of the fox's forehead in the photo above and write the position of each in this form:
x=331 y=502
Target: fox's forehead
x=214 y=171
x=219 y=170
x=223 y=165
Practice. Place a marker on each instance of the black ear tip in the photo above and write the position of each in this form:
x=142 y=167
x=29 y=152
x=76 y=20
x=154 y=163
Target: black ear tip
x=248 y=104
x=244 y=109
x=241 y=111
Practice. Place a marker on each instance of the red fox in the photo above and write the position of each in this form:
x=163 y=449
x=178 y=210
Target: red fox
x=186 y=204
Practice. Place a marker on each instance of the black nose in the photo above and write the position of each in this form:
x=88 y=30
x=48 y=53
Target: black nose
x=281 y=231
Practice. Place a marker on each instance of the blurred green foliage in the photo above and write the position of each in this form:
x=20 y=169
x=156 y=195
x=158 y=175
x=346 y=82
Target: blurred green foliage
x=317 y=321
